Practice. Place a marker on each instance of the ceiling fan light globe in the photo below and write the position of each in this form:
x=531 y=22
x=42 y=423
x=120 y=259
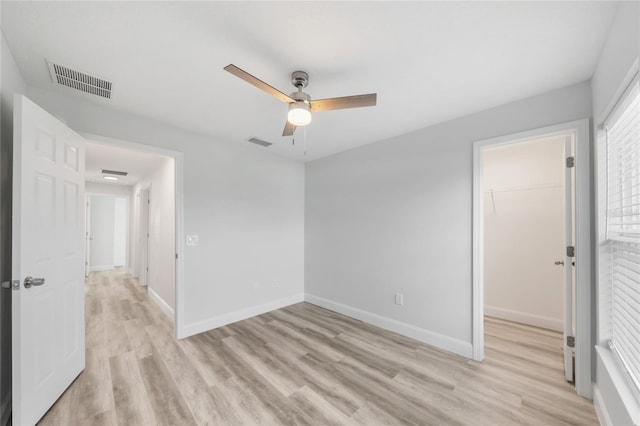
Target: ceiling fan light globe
x=299 y=115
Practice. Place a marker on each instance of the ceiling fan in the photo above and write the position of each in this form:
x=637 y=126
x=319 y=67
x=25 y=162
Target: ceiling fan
x=300 y=103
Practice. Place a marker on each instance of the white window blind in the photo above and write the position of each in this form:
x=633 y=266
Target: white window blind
x=623 y=228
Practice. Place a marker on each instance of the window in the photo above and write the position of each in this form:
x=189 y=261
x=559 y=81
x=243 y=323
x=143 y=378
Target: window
x=623 y=229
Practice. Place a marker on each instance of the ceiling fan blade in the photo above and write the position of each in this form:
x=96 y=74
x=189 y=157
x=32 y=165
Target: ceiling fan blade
x=288 y=129
x=345 y=102
x=258 y=83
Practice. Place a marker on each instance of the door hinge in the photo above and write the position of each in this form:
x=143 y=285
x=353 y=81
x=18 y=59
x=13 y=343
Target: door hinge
x=176 y=255
x=571 y=251
x=571 y=161
x=571 y=341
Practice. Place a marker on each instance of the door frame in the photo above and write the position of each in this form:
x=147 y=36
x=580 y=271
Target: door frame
x=178 y=158
x=143 y=240
x=87 y=235
x=584 y=286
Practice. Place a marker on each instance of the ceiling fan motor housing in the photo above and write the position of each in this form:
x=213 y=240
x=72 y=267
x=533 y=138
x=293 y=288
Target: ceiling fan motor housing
x=301 y=96
x=299 y=79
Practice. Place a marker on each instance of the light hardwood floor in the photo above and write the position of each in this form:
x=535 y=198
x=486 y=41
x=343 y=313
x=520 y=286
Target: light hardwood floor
x=303 y=365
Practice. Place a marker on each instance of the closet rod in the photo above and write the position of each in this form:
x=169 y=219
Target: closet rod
x=524 y=188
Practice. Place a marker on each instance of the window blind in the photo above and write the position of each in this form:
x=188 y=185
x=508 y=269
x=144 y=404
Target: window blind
x=623 y=228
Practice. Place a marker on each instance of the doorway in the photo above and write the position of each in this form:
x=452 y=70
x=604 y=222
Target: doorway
x=496 y=205
x=151 y=178
x=524 y=215
x=107 y=228
x=528 y=222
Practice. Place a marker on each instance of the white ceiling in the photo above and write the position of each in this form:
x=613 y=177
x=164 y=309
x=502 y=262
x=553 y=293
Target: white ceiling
x=428 y=61
x=137 y=164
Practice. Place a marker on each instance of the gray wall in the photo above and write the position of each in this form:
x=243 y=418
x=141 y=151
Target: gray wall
x=395 y=217
x=246 y=205
x=10 y=82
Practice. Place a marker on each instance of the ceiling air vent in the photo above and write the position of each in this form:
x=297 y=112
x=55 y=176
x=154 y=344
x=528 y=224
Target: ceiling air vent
x=114 y=172
x=80 y=81
x=260 y=142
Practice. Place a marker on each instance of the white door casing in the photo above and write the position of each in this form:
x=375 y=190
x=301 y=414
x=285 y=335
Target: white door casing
x=568 y=332
x=87 y=237
x=48 y=224
x=144 y=231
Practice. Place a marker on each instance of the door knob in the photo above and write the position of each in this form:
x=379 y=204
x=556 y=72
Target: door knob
x=559 y=262
x=30 y=281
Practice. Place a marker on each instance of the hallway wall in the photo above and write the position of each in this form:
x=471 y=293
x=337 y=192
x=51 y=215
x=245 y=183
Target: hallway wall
x=162 y=210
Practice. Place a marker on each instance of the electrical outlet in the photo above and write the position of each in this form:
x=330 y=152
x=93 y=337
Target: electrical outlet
x=192 y=240
x=399 y=299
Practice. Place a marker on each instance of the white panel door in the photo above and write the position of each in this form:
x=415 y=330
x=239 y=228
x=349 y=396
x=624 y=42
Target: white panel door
x=568 y=265
x=48 y=225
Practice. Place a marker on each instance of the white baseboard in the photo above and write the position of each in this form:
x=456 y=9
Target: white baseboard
x=164 y=307
x=98 y=268
x=5 y=409
x=239 y=315
x=601 y=408
x=429 y=337
x=525 y=318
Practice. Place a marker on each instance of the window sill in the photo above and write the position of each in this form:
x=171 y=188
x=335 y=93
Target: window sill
x=626 y=396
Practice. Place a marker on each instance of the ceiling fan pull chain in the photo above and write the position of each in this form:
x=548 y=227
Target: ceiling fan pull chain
x=305 y=141
x=293 y=141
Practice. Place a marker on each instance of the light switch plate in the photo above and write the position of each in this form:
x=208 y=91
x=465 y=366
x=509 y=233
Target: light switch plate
x=399 y=299
x=192 y=240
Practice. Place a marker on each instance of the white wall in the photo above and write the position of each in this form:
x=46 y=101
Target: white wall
x=161 y=183
x=246 y=206
x=11 y=82
x=136 y=236
x=395 y=216
x=107 y=189
x=524 y=232
x=101 y=232
x=614 y=400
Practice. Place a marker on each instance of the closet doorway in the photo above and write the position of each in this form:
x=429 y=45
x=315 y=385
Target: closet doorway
x=529 y=282
x=524 y=238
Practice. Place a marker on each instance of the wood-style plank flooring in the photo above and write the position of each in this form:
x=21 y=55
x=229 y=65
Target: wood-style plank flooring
x=303 y=365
